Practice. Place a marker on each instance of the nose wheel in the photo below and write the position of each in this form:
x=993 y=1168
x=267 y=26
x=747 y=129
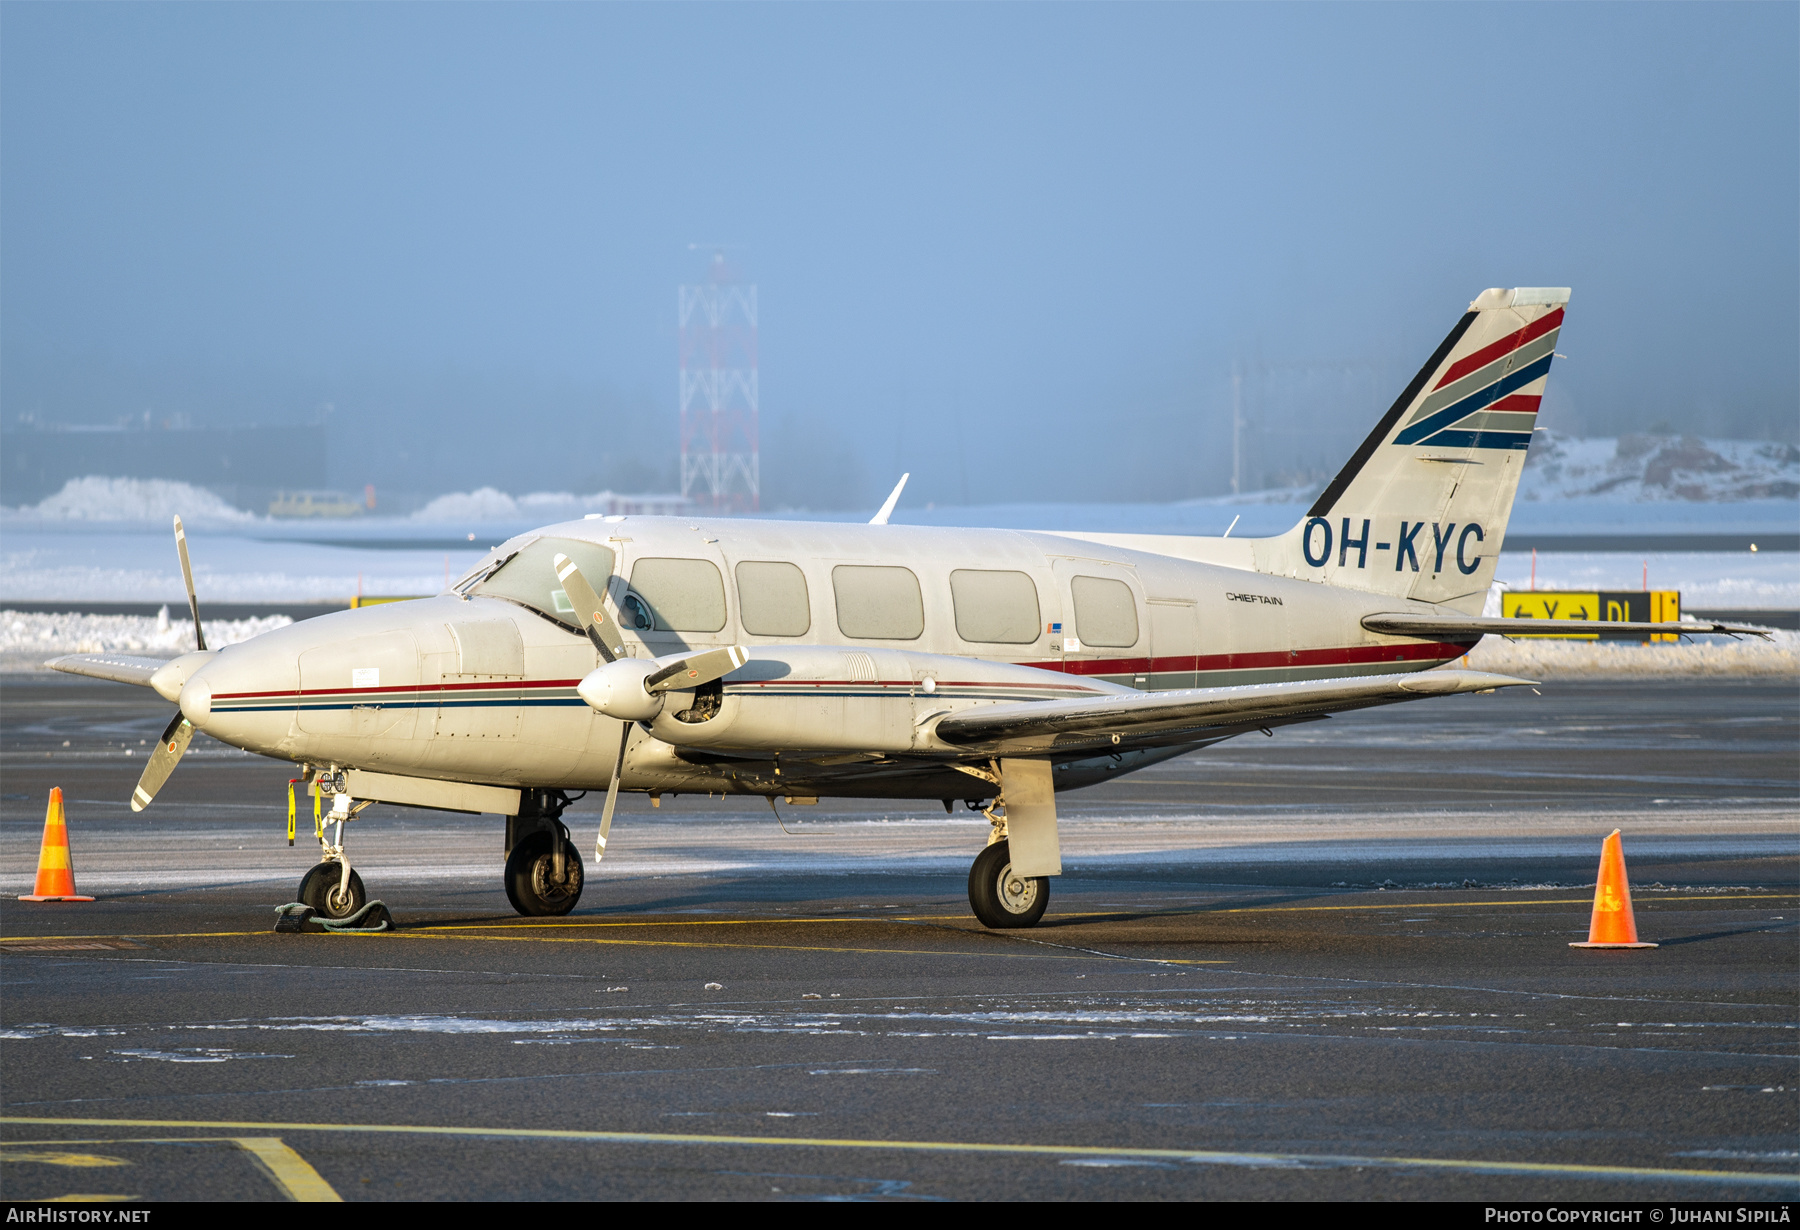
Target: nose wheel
x=330 y=893
x=1000 y=898
x=332 y=888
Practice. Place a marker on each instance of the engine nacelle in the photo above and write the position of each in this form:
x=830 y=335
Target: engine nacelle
x=617 y=690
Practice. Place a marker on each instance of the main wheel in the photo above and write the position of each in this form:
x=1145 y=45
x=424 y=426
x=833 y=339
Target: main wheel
x=1001 y=898
x=531 y=883
x=320 y=890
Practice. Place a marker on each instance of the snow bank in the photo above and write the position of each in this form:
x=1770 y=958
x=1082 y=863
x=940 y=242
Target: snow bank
x=1632 y=469
x=131 y=499
x=543 y=507
x=27 y=640
x=1550 y=660
x=1708 y=580
x=484 y=504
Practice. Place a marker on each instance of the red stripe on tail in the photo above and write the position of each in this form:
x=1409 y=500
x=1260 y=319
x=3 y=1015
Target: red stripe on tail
x=1505 y=346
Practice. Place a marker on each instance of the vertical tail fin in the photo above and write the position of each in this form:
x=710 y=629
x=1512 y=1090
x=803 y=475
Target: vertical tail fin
x=1421 y=508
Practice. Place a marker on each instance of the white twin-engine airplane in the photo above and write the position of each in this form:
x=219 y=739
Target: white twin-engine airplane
x=669 y=655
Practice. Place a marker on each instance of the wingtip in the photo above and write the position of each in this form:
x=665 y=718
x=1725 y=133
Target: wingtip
x=1448 y=682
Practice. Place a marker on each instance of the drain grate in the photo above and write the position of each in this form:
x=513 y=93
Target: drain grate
x=83 y=944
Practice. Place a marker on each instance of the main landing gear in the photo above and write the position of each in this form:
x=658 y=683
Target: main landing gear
x=333 y=889
x=1000 y=897
x=543 y=868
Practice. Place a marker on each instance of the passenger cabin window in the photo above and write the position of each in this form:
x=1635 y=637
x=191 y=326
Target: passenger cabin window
x=878 y=604
x=1105 y=612
x=529 y=577
x=677 y=595
x=997 y=607
x=772 y=599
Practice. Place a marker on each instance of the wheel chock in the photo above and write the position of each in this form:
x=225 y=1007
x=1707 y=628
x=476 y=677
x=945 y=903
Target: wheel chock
x=294 y=918
x=372 y=917
x=298 y=918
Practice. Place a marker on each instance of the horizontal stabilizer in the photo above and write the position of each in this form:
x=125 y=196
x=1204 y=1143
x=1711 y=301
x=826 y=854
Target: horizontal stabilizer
x=1148 y=719
x=1469 y=625
x=117 y=667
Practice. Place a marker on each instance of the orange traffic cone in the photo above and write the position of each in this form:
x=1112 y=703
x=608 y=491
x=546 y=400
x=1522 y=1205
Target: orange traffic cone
x=1613 y=925
x=55 y=873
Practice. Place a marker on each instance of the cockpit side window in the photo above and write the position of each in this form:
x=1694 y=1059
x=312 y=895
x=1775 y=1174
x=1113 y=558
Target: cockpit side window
x=529 y=577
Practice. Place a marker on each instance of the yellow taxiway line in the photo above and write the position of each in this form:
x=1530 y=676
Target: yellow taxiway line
x=292 y=1174
x=1564 y=1170
x=508 y=925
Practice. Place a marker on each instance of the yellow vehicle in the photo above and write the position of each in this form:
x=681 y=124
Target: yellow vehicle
x=314 y=504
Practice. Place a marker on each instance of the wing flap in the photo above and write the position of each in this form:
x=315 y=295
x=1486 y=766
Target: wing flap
x=1138 y=717
x=115 y=667
x=1471 y=625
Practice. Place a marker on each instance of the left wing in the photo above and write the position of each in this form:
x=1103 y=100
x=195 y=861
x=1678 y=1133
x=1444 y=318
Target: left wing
x=117 y=667
x=1150 y=719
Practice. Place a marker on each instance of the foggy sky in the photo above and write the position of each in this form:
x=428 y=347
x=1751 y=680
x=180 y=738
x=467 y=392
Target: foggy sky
x=1013 y=249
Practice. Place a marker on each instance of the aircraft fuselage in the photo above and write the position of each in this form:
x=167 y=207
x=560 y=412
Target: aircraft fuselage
x=879 y=628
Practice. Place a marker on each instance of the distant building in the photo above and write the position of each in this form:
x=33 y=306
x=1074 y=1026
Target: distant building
x=611 y=503
x=247 y=466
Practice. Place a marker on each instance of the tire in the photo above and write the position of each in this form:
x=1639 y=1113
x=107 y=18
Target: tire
x=1001 y=899
x=530 y=885
x=319 y=890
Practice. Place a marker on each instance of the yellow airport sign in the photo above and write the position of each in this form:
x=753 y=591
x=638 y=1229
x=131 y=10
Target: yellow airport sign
x=1637 y=606
x=362 y=600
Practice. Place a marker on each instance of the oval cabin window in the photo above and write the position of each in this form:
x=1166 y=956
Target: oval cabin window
x=772 y=599
x=878 y=604
x=680 y=595
x=1105 y=612
x=995 y=607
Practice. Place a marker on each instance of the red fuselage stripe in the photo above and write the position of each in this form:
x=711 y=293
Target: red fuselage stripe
x=1350 y=656
x=1353 y=656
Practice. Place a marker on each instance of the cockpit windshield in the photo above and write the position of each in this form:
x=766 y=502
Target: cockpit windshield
x=528 y=577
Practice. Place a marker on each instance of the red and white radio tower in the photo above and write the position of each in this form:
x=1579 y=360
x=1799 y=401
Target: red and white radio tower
x=720 y=466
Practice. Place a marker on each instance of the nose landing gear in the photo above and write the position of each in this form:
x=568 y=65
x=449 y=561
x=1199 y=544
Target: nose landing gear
x=332 y=888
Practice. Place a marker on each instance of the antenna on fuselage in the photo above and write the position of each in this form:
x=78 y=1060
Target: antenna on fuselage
x=887 y=507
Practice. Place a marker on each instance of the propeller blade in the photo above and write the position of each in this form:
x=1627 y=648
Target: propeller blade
x=612 y=792
x=187 y=575
x=589 y=610
x=168 y=753
x=697 y=669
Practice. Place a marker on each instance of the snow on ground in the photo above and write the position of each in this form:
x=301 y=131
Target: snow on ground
x=27 y=640
x=118 y=567
x=542 y=507
x=1708 y=580
x=131 y=499
x=1711 y=655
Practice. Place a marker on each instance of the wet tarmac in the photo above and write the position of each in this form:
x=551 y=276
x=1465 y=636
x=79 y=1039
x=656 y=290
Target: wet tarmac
x=1330 y=964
